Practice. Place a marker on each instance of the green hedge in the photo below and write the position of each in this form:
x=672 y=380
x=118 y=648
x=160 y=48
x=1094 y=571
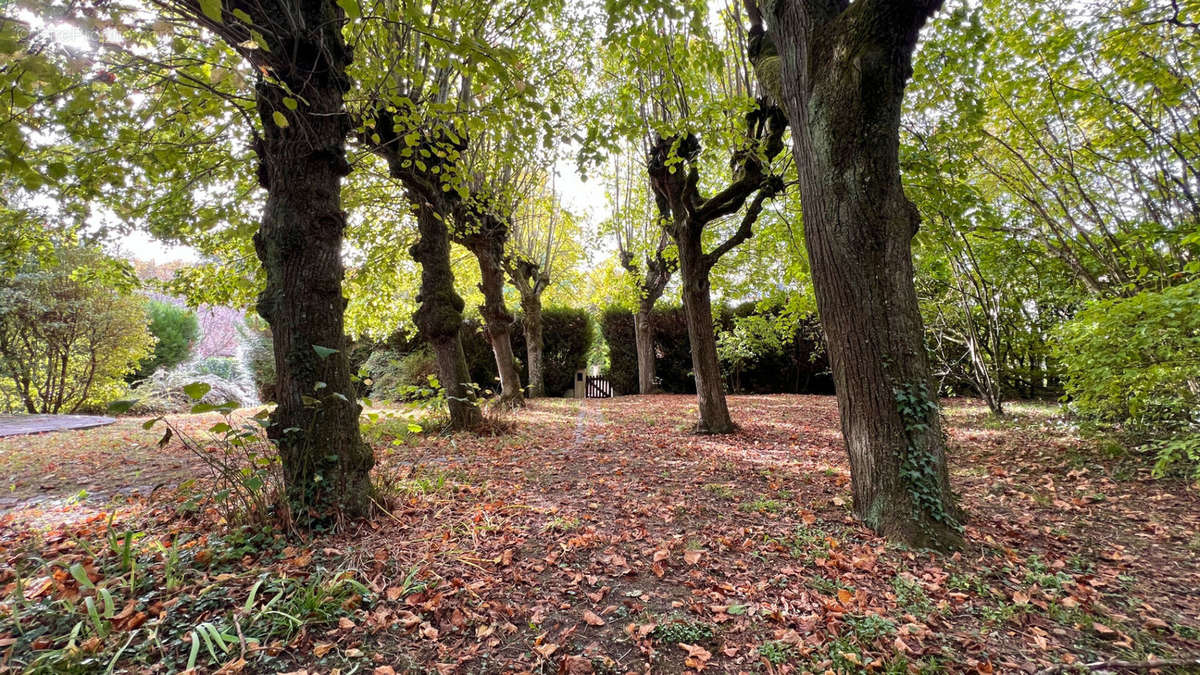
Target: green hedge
x=1136 y=361
x=567 y=335
x=798 y=365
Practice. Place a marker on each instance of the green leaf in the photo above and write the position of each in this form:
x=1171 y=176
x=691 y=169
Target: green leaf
x=211 y=9
x=350 y=7
x=196 y=390
x=121 y=406
x=290 y=103
x=324 y=352
x=280 y=119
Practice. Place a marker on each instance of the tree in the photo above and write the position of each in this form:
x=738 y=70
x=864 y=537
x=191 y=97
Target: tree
x=302 y=56
x=70 y=330
x=458 y=128
x=683 y=84
x=542 y=244
x=176 y=330
x=640 y=234
x=844 y=67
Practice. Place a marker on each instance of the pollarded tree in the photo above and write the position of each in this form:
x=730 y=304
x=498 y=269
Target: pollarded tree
x=300 y=57
x=843 y=69
x=456 y=125
x=543 y=245
x=640 y=234
x=689 y=84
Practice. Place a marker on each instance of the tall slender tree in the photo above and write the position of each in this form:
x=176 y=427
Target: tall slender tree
x=640 y=234
x=843 y=68
x=686 y=83
x=543 y=243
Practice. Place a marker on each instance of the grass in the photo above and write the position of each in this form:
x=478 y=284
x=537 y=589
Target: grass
x=762 y=505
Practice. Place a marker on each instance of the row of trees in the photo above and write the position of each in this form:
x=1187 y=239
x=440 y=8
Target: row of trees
x=390 y=133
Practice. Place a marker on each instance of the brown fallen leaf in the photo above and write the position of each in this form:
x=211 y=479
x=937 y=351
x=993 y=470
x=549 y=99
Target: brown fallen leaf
x=322 y=648
x=697 y=656
x=592 y=619
x=692 y=557
x=546 y=650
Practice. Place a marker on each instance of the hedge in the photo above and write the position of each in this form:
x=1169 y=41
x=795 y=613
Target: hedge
x=800 y=366
x=567 y=336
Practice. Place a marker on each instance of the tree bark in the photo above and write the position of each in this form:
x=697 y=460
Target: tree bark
x=531 y=305
x=325 y=462
x=643 y=333
x=439 y=316
x=488 y=247
x=844 y=72
x=697 y=309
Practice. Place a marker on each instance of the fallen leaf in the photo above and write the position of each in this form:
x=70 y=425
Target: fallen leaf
x=592 y=619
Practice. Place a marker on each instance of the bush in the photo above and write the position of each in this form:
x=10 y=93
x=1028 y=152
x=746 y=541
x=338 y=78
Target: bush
x=567 y=336
x=616 y=326
x=394 y=375
x=177 y=331
x=1135 y=362
x=224 y=367
x=163 y=391
x=70 y=331
x=793 y=362
x=256 y=352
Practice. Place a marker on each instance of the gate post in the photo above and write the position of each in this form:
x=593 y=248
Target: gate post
x=580 y=384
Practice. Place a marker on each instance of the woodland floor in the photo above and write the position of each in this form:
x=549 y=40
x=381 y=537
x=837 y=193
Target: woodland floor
x=603 y=537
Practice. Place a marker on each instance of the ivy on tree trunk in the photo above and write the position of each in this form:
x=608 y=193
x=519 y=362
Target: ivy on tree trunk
x=301 y=153
x=844 y=69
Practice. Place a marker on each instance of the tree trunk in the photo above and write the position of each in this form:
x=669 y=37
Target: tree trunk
x=439 y=316
x=697 y=309
x=325 y=462
x=643 y=333
x=531 y=304
x=497 y=320
x=844 y=73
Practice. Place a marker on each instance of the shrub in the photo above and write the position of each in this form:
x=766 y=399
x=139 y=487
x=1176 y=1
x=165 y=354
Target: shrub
x=163 y=392
x=567 y=336
x=224 y=367
x=1136 y=361
x=176 y=330
x=70 y=331
x=616 y=326
x=394 y=376
x=256 y=352
x=793 y=360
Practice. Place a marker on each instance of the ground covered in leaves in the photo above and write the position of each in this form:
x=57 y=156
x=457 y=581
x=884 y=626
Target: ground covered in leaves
x=602 y=537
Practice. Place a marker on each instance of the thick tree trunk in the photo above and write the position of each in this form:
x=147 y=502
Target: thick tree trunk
x=531 y=305
x=844 y=74
x=697 y=309
x=497 y=320
x=439 y=316
x=643 y=333
x=325 y=462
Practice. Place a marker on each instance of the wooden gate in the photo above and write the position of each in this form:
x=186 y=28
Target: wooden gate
x=598 y=387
